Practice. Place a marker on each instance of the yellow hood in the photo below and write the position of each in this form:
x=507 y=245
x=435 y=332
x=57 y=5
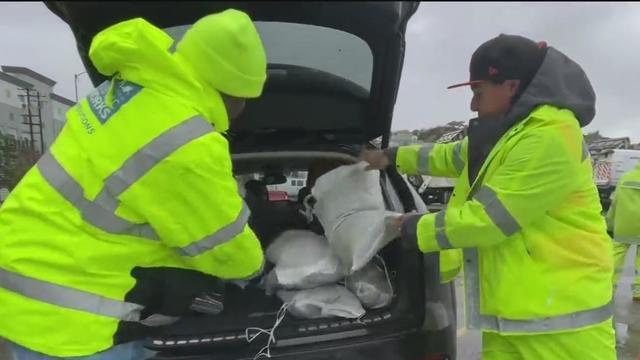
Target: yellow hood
x=227 y=52
x=138 y=51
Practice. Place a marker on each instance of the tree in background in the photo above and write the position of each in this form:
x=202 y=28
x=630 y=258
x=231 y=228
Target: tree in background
x=595 y=135
x=16 y=158
x=434 y=133
x=8 y=156
x=592 y=136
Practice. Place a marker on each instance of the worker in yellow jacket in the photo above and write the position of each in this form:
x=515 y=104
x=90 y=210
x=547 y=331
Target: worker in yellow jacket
x=525 y=210
x=623 y=223
x=139 y=182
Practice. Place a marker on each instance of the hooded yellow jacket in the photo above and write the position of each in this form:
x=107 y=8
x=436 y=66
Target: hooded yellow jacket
x=139 y=178
x=537 y=258
x=623 y=214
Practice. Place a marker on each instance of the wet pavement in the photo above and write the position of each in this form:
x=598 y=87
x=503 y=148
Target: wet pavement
x=627 y=318
x=627 y=314
x=4 y=352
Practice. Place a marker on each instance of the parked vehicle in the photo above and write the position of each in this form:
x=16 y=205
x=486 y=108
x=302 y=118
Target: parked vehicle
x=296 y=180
x=278 y=196
x=608 y=167
x=334 y=70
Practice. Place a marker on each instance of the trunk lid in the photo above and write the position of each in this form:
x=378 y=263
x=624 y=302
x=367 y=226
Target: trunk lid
x=334 y=66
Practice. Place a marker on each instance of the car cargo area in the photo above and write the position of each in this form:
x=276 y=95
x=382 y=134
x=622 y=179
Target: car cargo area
x=248 y=307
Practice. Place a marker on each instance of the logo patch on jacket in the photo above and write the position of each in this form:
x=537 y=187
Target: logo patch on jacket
x=123 y=91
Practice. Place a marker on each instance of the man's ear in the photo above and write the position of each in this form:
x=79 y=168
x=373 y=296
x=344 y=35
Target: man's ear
x=513 y=86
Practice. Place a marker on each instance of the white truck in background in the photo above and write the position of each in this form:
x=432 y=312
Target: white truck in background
x=296 y=180
x=608 y=167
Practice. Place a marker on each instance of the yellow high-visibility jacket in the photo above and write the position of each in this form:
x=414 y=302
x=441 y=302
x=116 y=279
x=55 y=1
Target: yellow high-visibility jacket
x=624 y=212
x=537 y=258
x=139 y=178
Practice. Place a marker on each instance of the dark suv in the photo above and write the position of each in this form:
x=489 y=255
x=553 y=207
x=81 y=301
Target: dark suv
x=333 y=76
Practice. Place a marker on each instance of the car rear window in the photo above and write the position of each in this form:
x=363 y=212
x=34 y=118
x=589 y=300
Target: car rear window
x=336 y=52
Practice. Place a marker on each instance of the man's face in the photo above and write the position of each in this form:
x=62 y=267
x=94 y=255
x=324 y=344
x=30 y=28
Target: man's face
x=490 y=99
x=235 y=106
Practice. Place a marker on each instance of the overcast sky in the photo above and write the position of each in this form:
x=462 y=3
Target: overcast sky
x=604 y=38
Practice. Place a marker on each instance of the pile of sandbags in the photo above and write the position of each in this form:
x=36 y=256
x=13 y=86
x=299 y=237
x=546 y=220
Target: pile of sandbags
x=371 y=285
x=305 y=277
x=303 y=260
x=348 y=203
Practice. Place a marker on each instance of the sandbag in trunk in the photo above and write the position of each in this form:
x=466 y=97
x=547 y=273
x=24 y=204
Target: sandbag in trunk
x=350 y=207
x=322 y=302
x=303 y=260
x=371 y=285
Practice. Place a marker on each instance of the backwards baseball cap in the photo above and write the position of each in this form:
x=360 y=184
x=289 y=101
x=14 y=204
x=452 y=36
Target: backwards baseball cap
x=506 y=57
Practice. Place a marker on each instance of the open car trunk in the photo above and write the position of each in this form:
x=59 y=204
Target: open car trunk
x=333 y=74
x=225 y=336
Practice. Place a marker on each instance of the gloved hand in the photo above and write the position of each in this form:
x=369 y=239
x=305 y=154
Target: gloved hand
x=210 y=303
x=176 y=292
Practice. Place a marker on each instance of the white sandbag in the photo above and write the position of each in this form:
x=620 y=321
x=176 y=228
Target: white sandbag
x=322 y=302
x=371 y=285
x=347 y=189
x=303 y=260
x=358 y=237
x=350 y=207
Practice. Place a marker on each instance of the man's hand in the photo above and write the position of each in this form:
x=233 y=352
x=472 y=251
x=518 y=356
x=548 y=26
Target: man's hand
x=399 y=221
x=377 y=159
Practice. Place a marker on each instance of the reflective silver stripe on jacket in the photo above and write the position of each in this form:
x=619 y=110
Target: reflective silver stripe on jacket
x=472 y=288
x=101 y=212
x=221 y=236
x=497 y=211
x=423 y=159
x=68 y=298
x=632 y=240
x=542 y=325
x=631 y=184
x=458 y=163
x=555 y=323
x=441 y=235
x=149 y=156
x=91 y=212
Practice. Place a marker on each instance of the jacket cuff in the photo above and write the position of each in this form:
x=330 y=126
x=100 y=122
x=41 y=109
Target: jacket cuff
x=392 y=154
x=409 y=231
x=422 y=231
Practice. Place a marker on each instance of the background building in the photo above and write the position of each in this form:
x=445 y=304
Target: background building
x=29 y=109
x=31 y=117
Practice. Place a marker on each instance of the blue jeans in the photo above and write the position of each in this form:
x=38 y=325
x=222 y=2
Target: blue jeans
x=128 y=351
